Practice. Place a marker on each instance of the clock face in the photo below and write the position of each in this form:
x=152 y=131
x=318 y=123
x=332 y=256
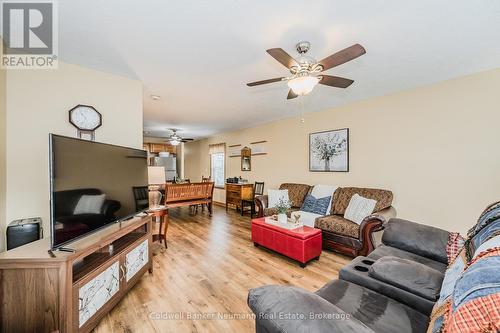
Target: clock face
x=85 y=117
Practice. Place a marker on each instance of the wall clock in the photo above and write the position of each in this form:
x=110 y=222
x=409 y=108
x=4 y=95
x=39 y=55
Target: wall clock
x=86 y=119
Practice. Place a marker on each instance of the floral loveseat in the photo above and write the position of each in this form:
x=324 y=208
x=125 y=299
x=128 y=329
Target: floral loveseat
x=340 y=234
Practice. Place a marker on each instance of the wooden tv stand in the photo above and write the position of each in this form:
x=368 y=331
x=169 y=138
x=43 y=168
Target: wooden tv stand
x=73 y=291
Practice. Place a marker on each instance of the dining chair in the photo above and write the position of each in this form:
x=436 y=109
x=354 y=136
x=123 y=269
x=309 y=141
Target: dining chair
x=141 y=197
x=258 y=189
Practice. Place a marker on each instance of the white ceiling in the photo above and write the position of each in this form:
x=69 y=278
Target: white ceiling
x=198 y=55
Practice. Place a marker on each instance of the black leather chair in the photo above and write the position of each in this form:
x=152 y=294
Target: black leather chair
x=68 y=224
x=141 y=197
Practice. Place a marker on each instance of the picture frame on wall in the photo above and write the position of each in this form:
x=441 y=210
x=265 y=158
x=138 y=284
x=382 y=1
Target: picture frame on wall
x=329 y=151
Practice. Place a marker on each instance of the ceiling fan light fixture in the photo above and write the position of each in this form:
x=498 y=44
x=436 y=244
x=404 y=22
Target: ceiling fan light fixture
x=175 y=142
x=303 y=85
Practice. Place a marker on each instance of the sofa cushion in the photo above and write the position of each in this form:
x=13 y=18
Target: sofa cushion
x=383 y=250
x=358 y=272
x=315 y=205
x=408 y=275
x=378 y=312
x=338 y=224
x=296 y=192
x=343 y=196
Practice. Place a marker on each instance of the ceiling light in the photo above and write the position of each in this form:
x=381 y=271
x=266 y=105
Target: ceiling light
x=155 y=97
x=303 y=85
x=174 y=142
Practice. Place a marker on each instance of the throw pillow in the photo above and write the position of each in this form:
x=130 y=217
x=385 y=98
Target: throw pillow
x=274 y=197
x=359 y=208
x=316 y=206
x=90 y=204
x=321 y=191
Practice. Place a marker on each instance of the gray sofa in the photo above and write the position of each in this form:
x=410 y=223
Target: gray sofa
x=393 y=292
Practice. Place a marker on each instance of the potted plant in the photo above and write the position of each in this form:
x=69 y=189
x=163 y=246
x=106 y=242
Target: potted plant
x=282 y=207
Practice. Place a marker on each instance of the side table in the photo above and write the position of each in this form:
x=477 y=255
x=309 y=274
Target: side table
x=162 y=214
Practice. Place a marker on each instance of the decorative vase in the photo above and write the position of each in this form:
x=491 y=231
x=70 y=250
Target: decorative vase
x=154 y=197
x=282 y=218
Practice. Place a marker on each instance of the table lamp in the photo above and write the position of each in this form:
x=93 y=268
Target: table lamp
x=156 y=177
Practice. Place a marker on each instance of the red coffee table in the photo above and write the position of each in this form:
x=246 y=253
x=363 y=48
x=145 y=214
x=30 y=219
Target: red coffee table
x=302 y=244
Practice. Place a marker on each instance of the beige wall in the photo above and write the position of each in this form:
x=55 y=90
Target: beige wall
x=37 y=104
x=435 y=147
x=2 y=157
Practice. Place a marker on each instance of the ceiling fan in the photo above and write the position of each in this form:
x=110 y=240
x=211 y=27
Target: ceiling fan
x=306 y=72
x=174 y=139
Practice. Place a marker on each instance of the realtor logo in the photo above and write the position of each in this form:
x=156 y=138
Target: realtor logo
x=29 y=33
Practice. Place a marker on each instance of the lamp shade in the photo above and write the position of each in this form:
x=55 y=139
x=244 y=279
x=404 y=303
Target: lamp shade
x=303 y=85
x=156 y=175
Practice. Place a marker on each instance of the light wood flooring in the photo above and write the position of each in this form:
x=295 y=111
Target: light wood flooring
x=200 y=283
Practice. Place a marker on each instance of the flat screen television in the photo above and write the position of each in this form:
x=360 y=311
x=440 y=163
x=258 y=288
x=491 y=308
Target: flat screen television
x=92 y=185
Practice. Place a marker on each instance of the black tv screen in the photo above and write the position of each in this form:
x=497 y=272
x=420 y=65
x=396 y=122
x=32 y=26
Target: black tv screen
x=92 y=185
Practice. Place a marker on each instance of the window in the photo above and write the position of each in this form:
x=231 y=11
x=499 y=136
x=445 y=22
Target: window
x=217 y=153
x=217 y=168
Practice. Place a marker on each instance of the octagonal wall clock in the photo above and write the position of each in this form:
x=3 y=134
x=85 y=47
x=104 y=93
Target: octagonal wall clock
x=86 y=119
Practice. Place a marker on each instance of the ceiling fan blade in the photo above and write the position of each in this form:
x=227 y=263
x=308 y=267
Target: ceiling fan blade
x=335 y=81
x=283 y=58
x=257 y=83
x=347 y=54
x=291 y=94
x=187 y=139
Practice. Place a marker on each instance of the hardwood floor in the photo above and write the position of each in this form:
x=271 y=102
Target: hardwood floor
x=206 y=272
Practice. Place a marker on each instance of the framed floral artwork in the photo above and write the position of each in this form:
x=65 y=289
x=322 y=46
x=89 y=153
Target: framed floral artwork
x=329 y=151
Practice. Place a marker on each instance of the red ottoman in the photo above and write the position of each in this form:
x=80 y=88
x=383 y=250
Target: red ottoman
x=302 y=244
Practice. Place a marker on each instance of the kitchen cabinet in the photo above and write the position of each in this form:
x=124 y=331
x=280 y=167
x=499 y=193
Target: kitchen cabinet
x=160 y=147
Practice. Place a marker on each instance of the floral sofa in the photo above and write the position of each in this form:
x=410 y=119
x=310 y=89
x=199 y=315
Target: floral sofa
x=340 y=234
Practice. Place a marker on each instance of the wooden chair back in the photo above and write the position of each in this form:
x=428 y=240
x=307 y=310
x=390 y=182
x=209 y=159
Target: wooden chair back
x=188 y=191
x=258 y=188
